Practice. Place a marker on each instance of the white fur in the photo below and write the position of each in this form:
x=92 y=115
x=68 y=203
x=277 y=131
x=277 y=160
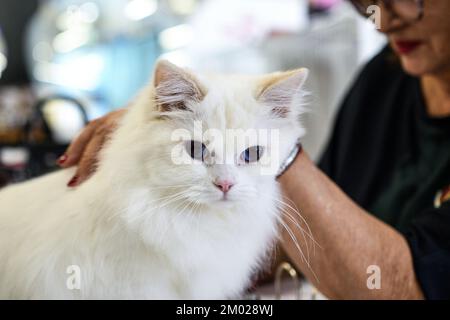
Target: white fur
x=128 y=240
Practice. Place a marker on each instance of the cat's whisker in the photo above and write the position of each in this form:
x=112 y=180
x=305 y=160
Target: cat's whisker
x=170 y=196
x=280 y=205
x=302 y=231
x=193 y=213
x=294 y=239
x=153 y=210
x=174 y=219
x=173 y=199
x=285 y=214
x=186 y=204
x=171 y=186
x=185 y=207
x=297 y=223
x=167 y=199
x=297 y=212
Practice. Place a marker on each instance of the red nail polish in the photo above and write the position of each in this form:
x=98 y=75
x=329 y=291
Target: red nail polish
x=73 y=182
x=62 y=159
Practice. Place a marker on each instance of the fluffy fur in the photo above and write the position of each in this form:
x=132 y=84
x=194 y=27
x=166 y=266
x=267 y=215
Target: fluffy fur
x=141 y=226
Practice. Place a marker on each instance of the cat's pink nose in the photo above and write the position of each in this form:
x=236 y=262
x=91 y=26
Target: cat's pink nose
x=224 y=185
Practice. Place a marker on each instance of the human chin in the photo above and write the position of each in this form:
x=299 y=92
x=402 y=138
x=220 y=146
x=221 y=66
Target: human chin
x=416 y=65
x=419 y=62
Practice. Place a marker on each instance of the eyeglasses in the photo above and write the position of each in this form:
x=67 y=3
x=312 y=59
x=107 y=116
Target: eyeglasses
x=408 y=10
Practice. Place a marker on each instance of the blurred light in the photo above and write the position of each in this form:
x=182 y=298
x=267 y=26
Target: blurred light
x=71 y=39
x=89 y=12
x=64 y=118
x=42 y=51
x=14 y=156
x=176 y=37
x=140 y=9
x=73 y=16
x=3 y=59
x=67 y=30
x=177 y=57
x=3 y=63
x=65 y=19
x=183 y=7
x=81 y=72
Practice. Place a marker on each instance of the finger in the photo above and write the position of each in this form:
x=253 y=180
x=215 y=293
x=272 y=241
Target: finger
x=76 y=148
x=88 y=161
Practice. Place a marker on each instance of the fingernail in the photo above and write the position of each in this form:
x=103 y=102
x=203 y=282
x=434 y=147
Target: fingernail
x=62 y=159
x=73 y=182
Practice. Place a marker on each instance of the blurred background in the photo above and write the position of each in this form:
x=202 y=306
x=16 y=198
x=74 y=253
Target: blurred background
x=65 y=62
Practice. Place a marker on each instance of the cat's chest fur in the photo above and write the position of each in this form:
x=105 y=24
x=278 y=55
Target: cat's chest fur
x=156 y=256
x=206 y=255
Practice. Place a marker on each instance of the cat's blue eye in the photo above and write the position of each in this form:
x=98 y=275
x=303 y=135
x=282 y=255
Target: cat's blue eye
x=252 y=154
x=196 y=149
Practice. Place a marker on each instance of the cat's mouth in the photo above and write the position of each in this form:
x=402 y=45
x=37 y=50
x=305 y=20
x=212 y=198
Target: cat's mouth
x=227 y=199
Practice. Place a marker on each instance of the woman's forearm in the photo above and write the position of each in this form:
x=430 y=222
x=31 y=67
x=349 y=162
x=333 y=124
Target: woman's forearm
x=349 y=240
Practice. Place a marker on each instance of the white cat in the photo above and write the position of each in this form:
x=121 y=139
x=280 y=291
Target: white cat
x=143 y=226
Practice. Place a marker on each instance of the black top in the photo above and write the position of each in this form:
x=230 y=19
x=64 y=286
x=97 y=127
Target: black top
x=391 y=158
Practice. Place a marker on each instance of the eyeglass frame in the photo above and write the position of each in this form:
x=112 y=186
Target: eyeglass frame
x=361 y=10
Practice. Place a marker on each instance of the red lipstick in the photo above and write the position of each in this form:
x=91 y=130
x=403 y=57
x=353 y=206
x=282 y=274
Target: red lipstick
x=405 y=47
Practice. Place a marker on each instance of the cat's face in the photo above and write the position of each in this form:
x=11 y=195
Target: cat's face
x=220 y=140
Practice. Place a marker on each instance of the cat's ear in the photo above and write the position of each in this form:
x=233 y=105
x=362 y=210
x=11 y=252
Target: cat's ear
x=280 y=91
x=175 y=87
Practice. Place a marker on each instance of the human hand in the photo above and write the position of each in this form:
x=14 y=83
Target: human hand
x=84 y=149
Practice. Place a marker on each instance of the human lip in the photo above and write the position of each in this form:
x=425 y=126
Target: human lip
x=406 y=46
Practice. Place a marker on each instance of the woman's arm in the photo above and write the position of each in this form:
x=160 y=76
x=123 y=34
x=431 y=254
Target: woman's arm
x=350 y=240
